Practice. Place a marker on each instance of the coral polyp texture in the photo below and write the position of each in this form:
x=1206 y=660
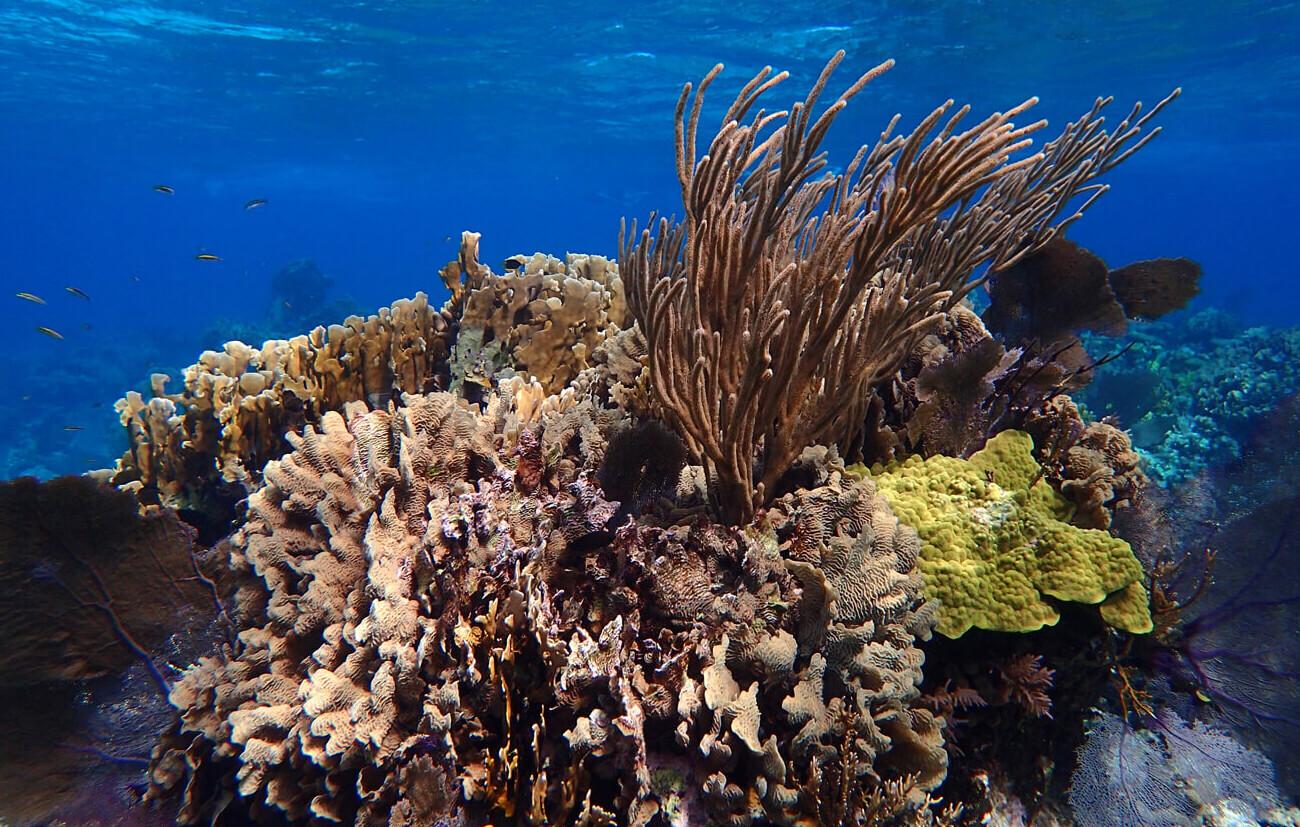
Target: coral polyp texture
x=997 y=542
x=664 y=540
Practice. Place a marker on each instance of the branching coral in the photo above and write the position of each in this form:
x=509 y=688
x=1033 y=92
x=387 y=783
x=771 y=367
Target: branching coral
x=786 y=295
x=204 y=447
x=239 y=403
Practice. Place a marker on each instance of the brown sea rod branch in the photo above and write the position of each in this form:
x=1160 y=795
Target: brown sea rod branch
x=788 y=292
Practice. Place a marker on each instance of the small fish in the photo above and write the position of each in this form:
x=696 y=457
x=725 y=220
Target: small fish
x=446 y=239
x=73 y=428
x=1203 y=697
x=286 y=304
x=86 y=326
x=254 y=203
x=49 y=331
x=207 y=257
x=78 y=292
x=164 y=189
x=31 y=297
x=135 y=278
x=514 y=263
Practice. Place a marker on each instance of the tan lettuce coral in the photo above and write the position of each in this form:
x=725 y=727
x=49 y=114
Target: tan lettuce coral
x=543 y=319
x=239 y=403
x=439 y=593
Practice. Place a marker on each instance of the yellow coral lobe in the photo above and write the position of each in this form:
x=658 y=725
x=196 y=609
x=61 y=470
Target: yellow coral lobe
x=1129 y=609
x=995 y=542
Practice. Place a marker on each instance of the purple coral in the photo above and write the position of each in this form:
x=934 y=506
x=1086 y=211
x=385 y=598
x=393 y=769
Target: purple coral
x=1163 y=776
x=1251 y=676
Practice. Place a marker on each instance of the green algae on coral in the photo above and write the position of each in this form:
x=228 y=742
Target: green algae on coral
x=996 y=541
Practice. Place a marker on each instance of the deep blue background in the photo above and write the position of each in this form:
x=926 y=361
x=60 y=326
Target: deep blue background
x=378 y=131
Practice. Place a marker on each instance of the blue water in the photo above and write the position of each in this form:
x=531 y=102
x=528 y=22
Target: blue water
x=377 y=131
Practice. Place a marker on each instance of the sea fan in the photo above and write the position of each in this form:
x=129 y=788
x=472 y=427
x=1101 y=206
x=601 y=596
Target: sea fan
x=1160 y=777
x=1124 y=780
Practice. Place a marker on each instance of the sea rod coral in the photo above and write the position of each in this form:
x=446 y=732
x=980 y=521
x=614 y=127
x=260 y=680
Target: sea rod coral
x=786 y=295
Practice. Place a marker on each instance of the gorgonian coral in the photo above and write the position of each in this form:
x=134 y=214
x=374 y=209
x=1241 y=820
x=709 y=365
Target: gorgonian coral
x=786 y=295
x=1172 y=774
x=97 y=599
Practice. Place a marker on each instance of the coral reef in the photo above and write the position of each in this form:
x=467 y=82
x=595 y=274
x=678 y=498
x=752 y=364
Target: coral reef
x=301 y=297
x=204 y=447
x=1093 y=465
x=239 y=403
x=420 y=604
x=554 y=554
x=785 y=296
x=1189 y=389
x=544 y=318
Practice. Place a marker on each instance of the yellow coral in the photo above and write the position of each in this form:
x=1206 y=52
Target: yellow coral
x=996 y=541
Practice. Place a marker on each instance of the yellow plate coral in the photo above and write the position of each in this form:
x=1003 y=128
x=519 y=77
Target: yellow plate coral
x=995 y=541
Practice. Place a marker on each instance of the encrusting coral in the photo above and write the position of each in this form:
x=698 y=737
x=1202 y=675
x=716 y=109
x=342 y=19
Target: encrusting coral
x=554 y=555
x=996 y=541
